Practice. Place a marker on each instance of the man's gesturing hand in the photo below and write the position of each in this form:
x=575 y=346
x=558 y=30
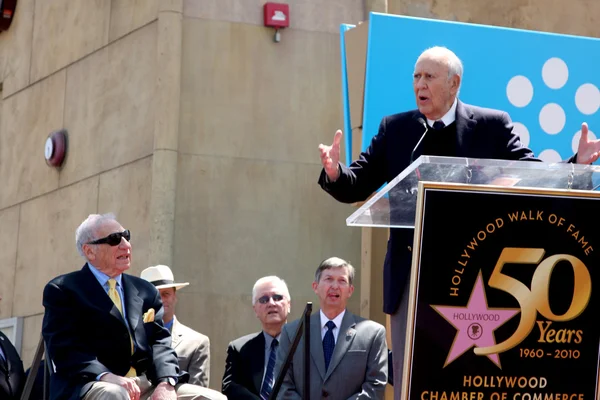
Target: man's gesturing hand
x=330 y=157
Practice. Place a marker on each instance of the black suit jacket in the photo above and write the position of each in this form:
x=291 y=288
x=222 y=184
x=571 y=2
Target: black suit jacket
x=86 y=334
x=480 y=133
x=12 y=375
x=244 y=367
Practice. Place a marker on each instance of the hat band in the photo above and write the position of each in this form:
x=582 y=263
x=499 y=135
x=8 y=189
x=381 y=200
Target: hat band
x=162 y=282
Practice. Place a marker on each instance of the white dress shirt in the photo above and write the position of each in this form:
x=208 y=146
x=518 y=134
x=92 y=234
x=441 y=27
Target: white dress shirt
x=449 y=117
x=337 y=321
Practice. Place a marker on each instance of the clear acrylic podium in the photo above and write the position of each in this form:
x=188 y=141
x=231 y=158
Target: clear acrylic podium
x=401 y=193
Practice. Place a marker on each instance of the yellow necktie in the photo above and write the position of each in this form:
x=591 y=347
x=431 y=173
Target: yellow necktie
x=113 y=293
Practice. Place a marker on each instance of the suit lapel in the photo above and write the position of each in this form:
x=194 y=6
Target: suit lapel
x=4 y=364
x=258 y=360
x=344 y=340
x=97 y=294
x=176 y=334
x=465 y=125
x=316 y=343
x=133 y=303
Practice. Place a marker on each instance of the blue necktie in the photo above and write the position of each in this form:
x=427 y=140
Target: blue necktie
x=265 y=390
x=328 y=343
x=438 y=124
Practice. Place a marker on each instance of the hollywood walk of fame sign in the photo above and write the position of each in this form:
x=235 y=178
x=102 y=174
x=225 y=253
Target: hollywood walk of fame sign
x=502 y=303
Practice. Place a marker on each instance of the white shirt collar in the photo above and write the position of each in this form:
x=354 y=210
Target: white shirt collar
x=337 y=320
x=449 y=117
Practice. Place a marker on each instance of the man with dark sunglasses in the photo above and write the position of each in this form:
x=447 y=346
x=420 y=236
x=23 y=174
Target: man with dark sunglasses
x=250 y=365
x=104 y=329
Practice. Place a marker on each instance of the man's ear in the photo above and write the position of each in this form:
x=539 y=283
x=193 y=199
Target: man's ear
x=89 y=252
x=455 y=84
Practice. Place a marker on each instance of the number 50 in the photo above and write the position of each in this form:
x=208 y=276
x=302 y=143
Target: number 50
x=536 y=299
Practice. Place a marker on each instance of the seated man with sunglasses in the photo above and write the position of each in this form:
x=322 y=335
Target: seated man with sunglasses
x=250 y=365
x=104 y=329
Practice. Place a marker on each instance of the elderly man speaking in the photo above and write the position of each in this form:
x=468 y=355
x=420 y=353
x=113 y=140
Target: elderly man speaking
x=442 y=125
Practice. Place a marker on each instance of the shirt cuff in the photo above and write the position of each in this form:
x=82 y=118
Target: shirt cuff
x=167 y=378
x=101 y=375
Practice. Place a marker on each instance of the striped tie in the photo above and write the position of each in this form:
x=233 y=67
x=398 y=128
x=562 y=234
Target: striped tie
x=113 y=293
x=267 y=385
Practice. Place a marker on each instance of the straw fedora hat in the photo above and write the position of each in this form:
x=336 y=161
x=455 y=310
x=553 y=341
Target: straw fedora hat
x=161 y=276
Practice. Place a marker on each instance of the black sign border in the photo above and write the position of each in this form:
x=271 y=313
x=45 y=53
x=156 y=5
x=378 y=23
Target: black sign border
x=423 y=187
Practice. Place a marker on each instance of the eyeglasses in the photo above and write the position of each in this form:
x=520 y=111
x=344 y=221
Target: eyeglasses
x=114 y=239
x=265 y=299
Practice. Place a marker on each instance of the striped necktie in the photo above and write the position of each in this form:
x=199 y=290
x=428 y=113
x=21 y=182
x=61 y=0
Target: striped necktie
x=113 y=293
x=267 y=385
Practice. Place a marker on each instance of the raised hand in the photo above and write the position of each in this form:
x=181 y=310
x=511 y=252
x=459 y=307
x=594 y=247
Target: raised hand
x=330 y=156
x=588 y=150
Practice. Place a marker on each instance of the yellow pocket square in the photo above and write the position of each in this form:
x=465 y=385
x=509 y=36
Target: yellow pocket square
x=149 y=316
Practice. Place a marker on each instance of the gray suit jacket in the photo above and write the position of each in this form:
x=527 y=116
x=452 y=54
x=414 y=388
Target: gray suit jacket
x=358 y=367
x=193 y=352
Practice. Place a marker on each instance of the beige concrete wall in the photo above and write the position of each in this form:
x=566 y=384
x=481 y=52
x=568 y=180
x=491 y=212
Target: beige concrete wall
x=89 y=67
x=579 y=17
x=186 y=120
x=248 y=205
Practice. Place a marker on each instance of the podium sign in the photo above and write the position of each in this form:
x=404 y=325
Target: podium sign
x=503 y=304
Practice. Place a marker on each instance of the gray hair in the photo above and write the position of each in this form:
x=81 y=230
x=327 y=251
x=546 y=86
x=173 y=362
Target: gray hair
x=85 y=233
x=447 y=56
x=270 y=279
x=335 y=262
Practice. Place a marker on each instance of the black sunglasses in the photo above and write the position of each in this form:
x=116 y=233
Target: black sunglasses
x=114 y=238
x=265 y=299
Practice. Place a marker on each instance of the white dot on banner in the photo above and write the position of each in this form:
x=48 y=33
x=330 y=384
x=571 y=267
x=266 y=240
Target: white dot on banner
x=519 y=91
x=587 y=98
x=550 y=156
x=575 y=141
x=552 y=118
x=523 y=133
x=555 y=73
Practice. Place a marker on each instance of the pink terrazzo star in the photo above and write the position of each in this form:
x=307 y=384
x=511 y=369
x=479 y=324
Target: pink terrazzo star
x=475 y=323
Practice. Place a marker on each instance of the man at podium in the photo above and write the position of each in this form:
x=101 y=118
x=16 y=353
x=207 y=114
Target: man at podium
x=441 y=125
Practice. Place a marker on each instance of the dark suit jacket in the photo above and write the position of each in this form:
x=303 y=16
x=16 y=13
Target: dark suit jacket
x=480 y=133
x=358 y=367
x=86 y=334
x=244 y=367
x=12 y=375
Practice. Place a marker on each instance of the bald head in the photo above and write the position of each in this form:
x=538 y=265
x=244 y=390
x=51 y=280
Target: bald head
x=443 y=56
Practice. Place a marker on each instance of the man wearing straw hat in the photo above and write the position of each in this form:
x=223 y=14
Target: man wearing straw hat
x=192 y=348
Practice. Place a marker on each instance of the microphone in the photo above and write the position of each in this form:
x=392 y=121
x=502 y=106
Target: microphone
x=422 y=122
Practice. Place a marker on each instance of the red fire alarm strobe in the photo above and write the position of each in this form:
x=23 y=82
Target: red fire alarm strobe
x=7 y=11
x=277 y=15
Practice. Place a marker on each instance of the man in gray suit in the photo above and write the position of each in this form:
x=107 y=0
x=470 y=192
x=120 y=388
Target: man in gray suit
x=348 y=353
x=192 y=348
